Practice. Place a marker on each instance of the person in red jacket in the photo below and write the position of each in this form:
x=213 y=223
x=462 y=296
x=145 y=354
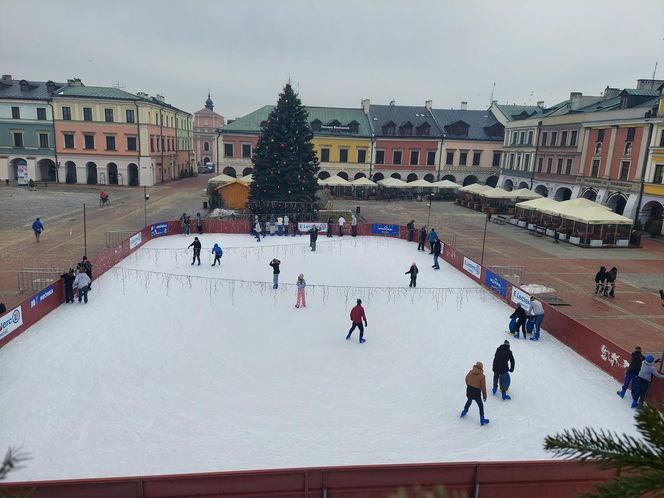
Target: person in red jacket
x=356 y=316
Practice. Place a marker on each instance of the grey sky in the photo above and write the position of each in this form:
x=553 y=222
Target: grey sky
x=336 y=52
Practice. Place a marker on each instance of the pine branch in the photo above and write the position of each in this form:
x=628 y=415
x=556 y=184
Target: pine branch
x=13 y=458
x=650 y=424
x=630 y=487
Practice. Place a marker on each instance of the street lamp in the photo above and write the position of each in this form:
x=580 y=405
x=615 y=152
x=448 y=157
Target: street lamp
x=146 y=196
x=429 y=206
x=486 y=221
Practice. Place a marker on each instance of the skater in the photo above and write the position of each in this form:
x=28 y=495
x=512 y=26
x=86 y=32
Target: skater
x=356 y=316
x=537 y=311
x=413 y=274
x=643 y=380
x=341 y=222
x=422 y=239
x=275 y=272
x=86 y=266
x=38 y=228
x=3 y=308
x=273 y=227
x=476 y=390
x=197 y=251
x=218 y=253
x=600 y=281
x=521 y=317
x=184 y=219
x=199 y=224
x=280 y=226
x=433 y=237
x=286 y=223
x=353 y=226
x=437 y=249
x=313 y=237
x=632 y=371
x=410 y=226
x=610 y=287
x=503 y=364
x=329 y=227
x=301 y=284
x=82 y=283
x=256 y=231
x=68 y=282
x=661 y=295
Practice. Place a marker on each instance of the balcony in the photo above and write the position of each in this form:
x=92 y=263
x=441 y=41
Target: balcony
x=516 y=172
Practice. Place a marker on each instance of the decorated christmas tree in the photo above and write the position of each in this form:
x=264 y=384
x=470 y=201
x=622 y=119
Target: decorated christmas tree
x=285 y=163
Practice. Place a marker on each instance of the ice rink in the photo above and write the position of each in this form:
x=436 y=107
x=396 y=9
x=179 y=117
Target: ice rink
x=173 y=368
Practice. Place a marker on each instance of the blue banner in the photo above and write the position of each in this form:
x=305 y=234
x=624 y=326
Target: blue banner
x=391 y=230
x=41 y=295
x=495 y=283
x=158 y=229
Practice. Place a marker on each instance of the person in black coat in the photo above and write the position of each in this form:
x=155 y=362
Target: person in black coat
x=3 y=308
x=600 y=281
x=610 y=287
x=329 y=227
x=86 y=266
x=413 y=275
x=437 y=249
x=521 y=316
x=196 y=244
x=313 y=237
x=68 y=281
x=411 y=230
x=633 y=370
x=503 y=362
x=422 y=239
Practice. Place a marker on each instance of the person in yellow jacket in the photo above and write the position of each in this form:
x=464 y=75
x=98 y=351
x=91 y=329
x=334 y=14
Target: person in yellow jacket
x=476 y=390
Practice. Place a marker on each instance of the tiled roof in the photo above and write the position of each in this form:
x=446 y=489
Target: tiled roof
x=515 y=112
x=642 y=92
x=31 y=90
x=96 y=92
x=477 y=121
x=381 y=115
x=250 y=123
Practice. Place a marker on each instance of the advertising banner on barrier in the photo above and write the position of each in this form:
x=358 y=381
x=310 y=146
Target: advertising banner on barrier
x=380 y=229
x=158 y=229
x=11 y=321
x=308 y=225
x=471 y=267
x=134 y=240
x=495 y=283
x=520 y=297
x=41 y=295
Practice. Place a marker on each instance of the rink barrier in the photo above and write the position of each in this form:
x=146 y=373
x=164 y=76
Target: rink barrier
x=561 y=479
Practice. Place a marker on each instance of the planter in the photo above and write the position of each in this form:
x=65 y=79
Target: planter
x=513 y=221
x=622 y=243
x=575 y=240
x=522 y=224
x=596 y=243
x=550 y=233
x=562 y=236
x=531 y=226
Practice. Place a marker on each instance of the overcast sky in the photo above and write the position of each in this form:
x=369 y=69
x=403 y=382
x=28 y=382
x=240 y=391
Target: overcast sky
x=336 y=52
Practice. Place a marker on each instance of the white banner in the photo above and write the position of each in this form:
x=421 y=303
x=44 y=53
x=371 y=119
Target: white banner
x=307 y=226
x=471 y=267
x=520 y=297
x=11 y=321
x=134 y=241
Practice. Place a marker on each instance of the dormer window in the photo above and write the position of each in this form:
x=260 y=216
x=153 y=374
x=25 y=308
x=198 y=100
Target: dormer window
x=628 y=149
x=598 y=148
x=316 y=124
x=423 y=129
x=459 y=129
x=50 y=87
x=334 y=122
x=624 y=101
x=354 y=126
x=406 y=129
x=389 y=129
x=25 y=86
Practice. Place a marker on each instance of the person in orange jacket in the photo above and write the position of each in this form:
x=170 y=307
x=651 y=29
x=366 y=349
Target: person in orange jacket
x=476 y=390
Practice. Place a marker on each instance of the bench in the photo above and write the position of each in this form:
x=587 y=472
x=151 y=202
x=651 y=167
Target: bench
x=499 y=220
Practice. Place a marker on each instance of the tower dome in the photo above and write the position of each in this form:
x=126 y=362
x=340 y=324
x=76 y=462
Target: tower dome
x=208 y=103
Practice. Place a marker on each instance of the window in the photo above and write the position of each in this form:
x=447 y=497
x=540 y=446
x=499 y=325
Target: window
x=628 y=149
x=659 y=173
x=495 y=162
x=87 y=114
x=572 y=140
x=206 y=146
x=163 y=143
x=526 y=162
x=476 y=158
x=396 y=157
x=130 y=116
x=389 y=129
x=380 y=157
x=361 y=156
x=246 y=150
x=325 y=155
x=563 y=139
x=43 y=140
x=18 y=139
x=343 y=155
x=530 y=137
x=545 y=136
x=414 y=157
x=554 y=138
x=228 y=150
x=661 y=139
x=449 y=158
x=512 y=161
x=89 y=141
x=624 y=171
x=514 y=137
x=559 y=168
x=16 y=113
x=69 y=140
x=630 y=134
x=431 y=157
x=549 y=164
x=110 y=143
x=151 y=144
x=463 y=158
x=598 y=148
x=66 y=113
x=539 y=165
x=522 y=137
x=518 y=162
x=600 y=135
x=568 y=168
x=41 y=113
x=131 y=143
x=108 y=115
x=595 y=170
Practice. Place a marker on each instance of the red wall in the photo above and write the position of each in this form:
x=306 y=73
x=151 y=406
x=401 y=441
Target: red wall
x=405 y=146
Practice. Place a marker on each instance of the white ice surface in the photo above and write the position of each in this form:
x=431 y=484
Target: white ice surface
x=168 y=374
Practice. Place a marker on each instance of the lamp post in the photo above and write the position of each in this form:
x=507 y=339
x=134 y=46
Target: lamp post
x=85 y=232
x=486 y=222
x=146 y=196
x=429 y=206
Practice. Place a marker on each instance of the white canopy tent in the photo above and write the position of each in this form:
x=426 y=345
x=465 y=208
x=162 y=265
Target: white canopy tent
x=475 y=188
x=337 y=181
x=421 y=184
x=363 y=182
x=446 y=184
x=524 y=193
x=392 y=183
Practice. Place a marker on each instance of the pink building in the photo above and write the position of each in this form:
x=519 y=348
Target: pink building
x=206 y=121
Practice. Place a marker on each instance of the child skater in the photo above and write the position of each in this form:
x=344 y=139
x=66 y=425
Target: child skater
x=301 y=298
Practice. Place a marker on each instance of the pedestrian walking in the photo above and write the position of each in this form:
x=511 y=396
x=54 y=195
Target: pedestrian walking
x=301 y=298
x=341 y=223
x=413 y=274
x=86 y=266
x=82 y=283
x=632 y=370
x=476 y=390
x=353 y=225
x=521 y=316
x=275 y=272
x=433 y=237
x=600 y=281
x=503 y=365
x=38 y=228
x=410 y=226
x=357 y=314
x=536 y=310
x=422 y=239
x=643 y=380
x=313 y=237
x=437 y=249
x=68 y=283
x=218 y=253
x=611 y=276
x=199 y=223
x=329 y=227
x=286 y=223
x=196 y=244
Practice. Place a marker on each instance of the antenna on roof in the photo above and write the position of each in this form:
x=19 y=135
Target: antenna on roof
x=492 y=90
x=119 y=86
x=654 y=72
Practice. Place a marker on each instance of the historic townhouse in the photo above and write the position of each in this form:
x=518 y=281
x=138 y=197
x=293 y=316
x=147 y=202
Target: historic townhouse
x=206 y=124
x=27 y=142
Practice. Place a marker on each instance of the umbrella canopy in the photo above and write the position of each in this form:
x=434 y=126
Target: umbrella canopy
x=363 y=182
x=583 y=202
x=524 y=193
x=446 y=184
x=475 y=188
x=222 y=179
x=495 y=193
x=538 y=204
x=337 y=181
x=597 y=215
x=247 y=178
x=421 y=183
x=571 y=206
x=392 y=183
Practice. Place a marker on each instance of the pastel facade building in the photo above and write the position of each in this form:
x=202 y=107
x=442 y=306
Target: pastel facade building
x=206 y=124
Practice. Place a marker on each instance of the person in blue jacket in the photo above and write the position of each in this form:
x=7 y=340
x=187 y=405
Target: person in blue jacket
x=433 y=237
x=38 y=228
x=641 y=383
x=218 y=253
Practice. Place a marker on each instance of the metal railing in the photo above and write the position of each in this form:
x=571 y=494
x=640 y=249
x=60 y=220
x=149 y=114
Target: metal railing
x=114 y=238
x=513 y=274
x=36 y=279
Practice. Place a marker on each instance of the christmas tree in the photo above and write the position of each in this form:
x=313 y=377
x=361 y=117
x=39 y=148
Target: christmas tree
x=285 y=163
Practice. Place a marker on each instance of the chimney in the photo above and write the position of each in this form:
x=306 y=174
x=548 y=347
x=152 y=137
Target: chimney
x=160 y=98
x=609 y=92
x=575 y=100
x=428 y=104
x=365 y=106
x=74 y=82
x=6 y=77
x=142 y=95
x=540 y=104
x=464 y=105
